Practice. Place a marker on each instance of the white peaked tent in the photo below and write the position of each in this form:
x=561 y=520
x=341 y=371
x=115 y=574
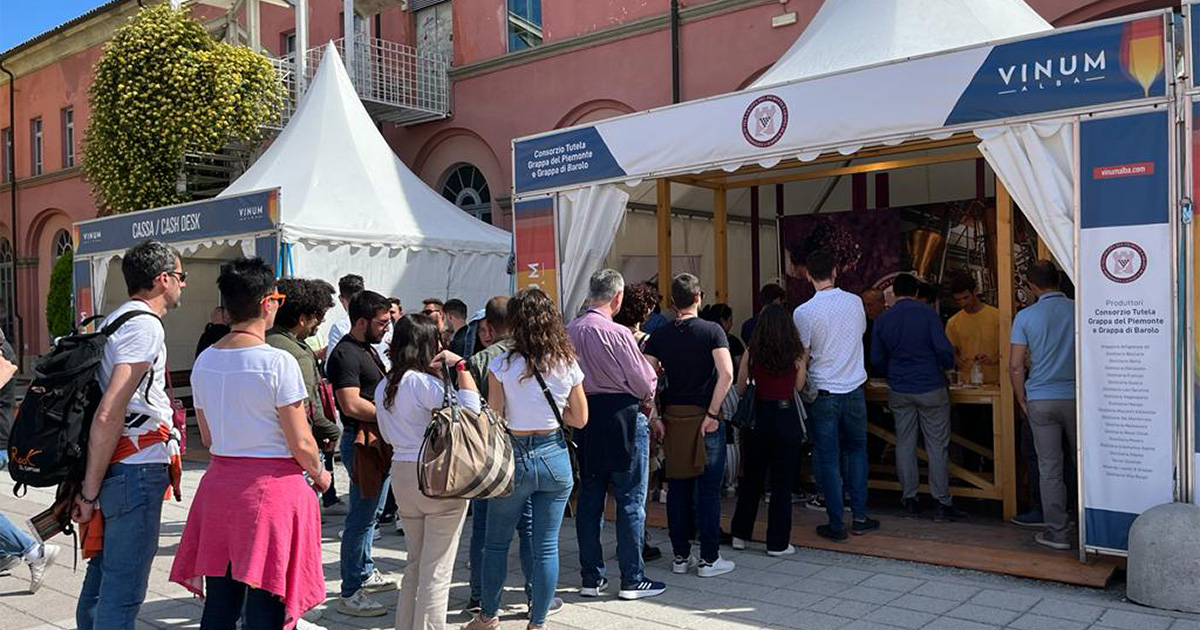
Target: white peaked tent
x=847 y=34
x=349 y=205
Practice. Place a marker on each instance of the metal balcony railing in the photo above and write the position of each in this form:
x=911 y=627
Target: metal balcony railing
x=397 y=83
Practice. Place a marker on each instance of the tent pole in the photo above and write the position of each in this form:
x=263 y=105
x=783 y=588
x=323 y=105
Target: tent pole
x=782 y=244
x=721 y=244
x=1003 y=425
x=755 y=271
x=664 y=241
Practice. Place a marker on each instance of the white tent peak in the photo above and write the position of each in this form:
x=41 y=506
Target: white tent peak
x=341 y=182
x=848 y=34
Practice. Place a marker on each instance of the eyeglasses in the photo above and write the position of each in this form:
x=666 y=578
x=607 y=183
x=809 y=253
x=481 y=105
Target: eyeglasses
x=276 y=296
x=181 y=276
x=430 y=311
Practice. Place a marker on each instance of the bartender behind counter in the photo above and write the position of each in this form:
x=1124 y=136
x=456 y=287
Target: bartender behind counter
x=974 y=332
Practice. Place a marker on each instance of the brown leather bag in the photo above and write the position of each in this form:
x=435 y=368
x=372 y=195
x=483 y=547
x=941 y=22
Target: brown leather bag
x=465 y=455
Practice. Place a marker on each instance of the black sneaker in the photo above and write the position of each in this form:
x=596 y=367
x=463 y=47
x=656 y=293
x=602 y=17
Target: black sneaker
x=387 y=518
x=912 y=509
x=1032 y=519
x=816 y=503
x=826 y=531
x=948 y=514
x=473 y=607
x=642 y=590
x=593 y=590
x=650 y=553
x=556 y=606
x=858 y=528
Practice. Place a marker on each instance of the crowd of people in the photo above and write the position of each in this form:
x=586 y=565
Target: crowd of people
x=594 y=407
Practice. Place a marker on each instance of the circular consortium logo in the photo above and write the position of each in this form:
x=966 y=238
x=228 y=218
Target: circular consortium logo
x=1123 y=262
x=765 y=121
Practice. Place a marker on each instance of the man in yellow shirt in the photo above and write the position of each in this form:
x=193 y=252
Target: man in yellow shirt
x=974 y=332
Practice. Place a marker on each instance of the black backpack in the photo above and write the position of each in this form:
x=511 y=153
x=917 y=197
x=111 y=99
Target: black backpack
x=48 y=443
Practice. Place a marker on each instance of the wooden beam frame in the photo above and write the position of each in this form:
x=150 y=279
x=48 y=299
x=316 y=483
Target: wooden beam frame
x=1004 y=427
x=664 y=241
x=721 y=244
x=888 y=165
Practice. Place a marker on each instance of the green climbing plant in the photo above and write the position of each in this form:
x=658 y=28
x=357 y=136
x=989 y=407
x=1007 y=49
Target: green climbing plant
x=163 y=88
x=59 y=312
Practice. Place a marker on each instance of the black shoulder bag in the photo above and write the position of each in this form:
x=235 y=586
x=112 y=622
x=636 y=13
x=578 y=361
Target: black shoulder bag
x=568 y=433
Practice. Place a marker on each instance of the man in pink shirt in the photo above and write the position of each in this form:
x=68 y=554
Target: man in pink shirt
x=614 y=447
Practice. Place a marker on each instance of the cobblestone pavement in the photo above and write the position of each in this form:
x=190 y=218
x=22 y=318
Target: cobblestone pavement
x=813 y=590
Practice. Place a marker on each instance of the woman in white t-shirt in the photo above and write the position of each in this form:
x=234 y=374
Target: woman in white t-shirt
x=540 y=347
x=413 y=389
x=252 y=542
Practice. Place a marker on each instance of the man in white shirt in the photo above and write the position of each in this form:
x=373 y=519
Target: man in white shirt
x=831 y=326
x=128 y=455
x=349 y=286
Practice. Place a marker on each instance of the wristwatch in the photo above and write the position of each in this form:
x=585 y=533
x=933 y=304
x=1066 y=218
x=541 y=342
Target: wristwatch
x=714 y=416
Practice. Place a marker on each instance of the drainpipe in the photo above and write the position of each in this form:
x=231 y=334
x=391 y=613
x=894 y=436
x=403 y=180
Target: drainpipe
x=349 y=40
x=674 y=51
x=18 y=323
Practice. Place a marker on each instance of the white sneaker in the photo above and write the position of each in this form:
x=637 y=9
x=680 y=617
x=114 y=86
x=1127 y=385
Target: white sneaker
x=720 y=566
x=379 y=583
x=682 y=565
x=377 y=536
x=361 y=605
x=399 y=528
x=738 y=543
x=38 y=566
x=789 y=551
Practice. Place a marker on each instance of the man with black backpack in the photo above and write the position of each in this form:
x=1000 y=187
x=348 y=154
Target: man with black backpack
x=128 y=456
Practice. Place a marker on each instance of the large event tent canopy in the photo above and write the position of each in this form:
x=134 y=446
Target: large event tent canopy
x=349 y=205
x=1077 y=124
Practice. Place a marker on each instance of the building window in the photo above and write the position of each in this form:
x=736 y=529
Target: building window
x=62 y=243
x=35 y=145
x=68 y=137
x=524 y=24
x=6 y=160
x=466 y=188
x=6 y=285
x=435 y=27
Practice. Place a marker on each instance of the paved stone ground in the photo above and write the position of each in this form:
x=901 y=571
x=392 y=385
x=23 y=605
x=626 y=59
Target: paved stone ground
x=813 y=590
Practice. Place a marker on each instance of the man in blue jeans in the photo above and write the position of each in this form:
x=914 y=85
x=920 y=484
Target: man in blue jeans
x=614 y=447
x=354 y=370
x=695 y=357
x=128 y=491
x=831 y=326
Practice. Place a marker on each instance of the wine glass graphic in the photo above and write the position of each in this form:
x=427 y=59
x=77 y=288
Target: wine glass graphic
x=1142 y=51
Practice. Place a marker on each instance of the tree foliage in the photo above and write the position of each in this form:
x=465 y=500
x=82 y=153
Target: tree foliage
x=59 y=312
x=164 y=87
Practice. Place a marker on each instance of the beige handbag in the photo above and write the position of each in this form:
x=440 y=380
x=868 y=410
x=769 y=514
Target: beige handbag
x=465 y=455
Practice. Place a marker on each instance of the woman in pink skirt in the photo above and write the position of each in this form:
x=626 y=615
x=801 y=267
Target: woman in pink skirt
x=252 y=543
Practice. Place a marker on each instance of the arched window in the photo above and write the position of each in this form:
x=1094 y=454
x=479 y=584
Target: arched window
x=466 y=188
x=62 y=243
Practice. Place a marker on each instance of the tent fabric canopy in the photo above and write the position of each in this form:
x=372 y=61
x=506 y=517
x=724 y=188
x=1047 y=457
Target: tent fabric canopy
x=341 y=183
x=847 y=34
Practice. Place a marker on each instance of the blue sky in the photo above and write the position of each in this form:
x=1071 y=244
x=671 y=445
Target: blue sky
x=23 y=19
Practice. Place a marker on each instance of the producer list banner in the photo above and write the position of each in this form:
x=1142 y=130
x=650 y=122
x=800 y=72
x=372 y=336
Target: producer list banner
x=1125 y=323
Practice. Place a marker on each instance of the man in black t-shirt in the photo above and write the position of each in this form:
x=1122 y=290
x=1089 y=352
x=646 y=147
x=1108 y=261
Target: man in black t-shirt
x=355 y=369
x=699 y=371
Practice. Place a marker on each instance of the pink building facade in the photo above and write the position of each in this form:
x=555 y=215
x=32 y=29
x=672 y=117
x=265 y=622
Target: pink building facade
x=518 y=67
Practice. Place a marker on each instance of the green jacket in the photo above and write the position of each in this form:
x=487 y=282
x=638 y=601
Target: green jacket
x=324 y=429
x=477 y=364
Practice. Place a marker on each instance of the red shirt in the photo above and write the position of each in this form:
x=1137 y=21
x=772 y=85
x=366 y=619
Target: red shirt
x=773 y=385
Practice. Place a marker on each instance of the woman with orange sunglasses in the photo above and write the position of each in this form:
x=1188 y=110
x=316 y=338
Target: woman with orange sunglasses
x=252 y=543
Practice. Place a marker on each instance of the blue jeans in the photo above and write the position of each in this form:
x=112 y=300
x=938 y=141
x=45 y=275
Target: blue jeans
x=13 y=540
x=543 y=478
x=479 y=512
x=839 y=423
x=359 y=528
x=629 y=491
x=698 y=500
x=114 y=587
